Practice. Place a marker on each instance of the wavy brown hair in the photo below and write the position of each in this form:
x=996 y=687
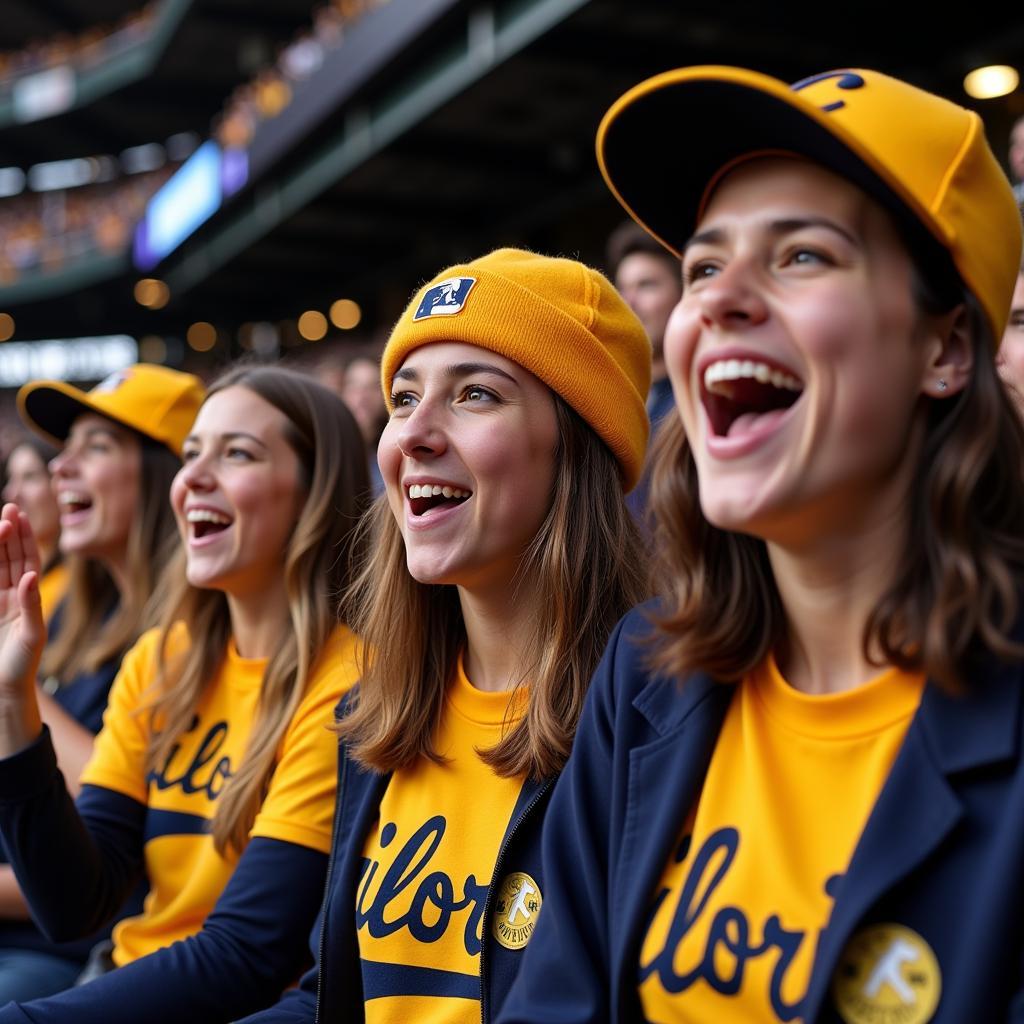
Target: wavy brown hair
x=97 y=622
x=587 y=568
x=955 y=595
x=316 y=566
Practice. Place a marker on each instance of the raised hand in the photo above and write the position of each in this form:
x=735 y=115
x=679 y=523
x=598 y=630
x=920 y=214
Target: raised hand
x=22 y=631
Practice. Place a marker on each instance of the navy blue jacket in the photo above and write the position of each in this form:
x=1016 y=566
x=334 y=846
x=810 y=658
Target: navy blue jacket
x=333 y=989
x=76 y=864
x=942 y=852
x=85 y=700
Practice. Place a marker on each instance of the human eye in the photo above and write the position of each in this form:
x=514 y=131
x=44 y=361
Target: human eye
x=475 y=394
x=402 y=400
x=237 y=454
x=189 y=454
x=806 y=256
x=698 y=270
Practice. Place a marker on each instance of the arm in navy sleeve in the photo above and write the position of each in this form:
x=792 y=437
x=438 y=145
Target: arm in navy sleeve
x=76 y=866
x=297 y=1005
x=563 y=978
x=251 y=946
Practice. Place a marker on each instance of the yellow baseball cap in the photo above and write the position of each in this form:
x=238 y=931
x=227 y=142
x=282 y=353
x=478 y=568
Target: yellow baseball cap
x=663 y=146
x=154 y=400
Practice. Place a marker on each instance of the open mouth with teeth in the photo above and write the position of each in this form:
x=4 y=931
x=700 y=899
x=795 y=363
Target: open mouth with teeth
x=204 y=522
x=736 y=393
x=424 y=497
x=73 y=501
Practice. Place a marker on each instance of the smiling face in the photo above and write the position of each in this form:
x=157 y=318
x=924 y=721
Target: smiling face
x=797 y=354
x=238 y=495
x=28 y=485
x=468 y=461
x=96 y=481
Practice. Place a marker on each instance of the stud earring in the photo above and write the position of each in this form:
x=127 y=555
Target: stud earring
x=942 y=385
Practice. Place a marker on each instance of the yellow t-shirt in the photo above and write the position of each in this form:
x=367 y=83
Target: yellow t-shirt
x=186 y=873
x=428 y=862
x=52 y=587
x=740 y=906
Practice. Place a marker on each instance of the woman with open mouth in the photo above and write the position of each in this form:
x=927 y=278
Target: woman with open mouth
x=499 y=558
x=119 y=448
x=797 y=790
x=214 y=772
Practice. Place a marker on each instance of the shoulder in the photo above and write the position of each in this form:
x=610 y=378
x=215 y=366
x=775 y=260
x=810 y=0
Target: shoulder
x=635 y=699
x=337 y=666
x=626 y=661
x=143 y=655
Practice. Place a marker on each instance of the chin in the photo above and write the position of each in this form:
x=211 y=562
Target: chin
x=734 y=513
x=429 y=573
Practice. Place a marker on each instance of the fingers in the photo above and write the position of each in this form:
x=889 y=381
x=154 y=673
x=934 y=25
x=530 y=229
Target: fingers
x=29 y=548
x=8 y=526
x=18 y=551
x=33 y=628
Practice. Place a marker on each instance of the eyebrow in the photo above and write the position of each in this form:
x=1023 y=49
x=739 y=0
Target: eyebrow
x=785 y=226
x=113 y=432
x=456 y=370
x=232 y=435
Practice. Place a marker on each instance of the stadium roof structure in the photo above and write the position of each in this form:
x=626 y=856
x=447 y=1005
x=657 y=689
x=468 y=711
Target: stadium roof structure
x=451 y=127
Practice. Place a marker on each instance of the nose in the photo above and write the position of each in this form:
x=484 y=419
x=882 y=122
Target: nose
x=733 y=297
x=196 y=474
x=62 y=464
x=421 y=433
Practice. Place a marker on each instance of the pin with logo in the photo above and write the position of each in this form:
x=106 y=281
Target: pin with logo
x=445 y=298
x=887 y=974
x=516 y=910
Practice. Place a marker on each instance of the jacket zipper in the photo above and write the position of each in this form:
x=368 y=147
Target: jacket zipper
x=327 y=888
x=485 y=917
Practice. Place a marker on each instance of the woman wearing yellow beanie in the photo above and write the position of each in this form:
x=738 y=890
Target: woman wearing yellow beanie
x=502 y=554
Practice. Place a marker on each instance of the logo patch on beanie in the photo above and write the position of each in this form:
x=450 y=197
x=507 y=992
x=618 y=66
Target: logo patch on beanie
x=446 y=298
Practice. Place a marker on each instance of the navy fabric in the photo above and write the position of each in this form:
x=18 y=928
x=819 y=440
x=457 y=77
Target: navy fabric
x=941 y=853
x=28 y=974
x=75 y=867
x=85 y=697
x=85 y=700
x=333 y=989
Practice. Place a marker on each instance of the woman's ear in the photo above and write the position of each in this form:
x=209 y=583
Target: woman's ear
x=950 y=354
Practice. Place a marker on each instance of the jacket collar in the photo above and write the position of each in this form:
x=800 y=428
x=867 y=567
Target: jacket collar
x=666 y=703
x=963 y=731
x=977 y=727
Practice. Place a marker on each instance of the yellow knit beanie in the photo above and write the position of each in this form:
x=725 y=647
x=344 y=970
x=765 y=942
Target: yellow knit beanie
x=557 y=318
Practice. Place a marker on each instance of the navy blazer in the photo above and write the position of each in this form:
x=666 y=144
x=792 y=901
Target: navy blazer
x=942 y=852
x=333 y=989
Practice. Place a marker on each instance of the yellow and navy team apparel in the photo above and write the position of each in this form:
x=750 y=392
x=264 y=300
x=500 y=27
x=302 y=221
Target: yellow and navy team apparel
x=920 y=921
x=84 y=698
x=435 y=883
x=218 y=936
x=744 y=896
x=428 y=862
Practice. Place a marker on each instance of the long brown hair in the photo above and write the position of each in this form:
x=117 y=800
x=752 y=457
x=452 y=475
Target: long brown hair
x=98 y=622
x=588 y=566
x=316 y=567
x=955 y=595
